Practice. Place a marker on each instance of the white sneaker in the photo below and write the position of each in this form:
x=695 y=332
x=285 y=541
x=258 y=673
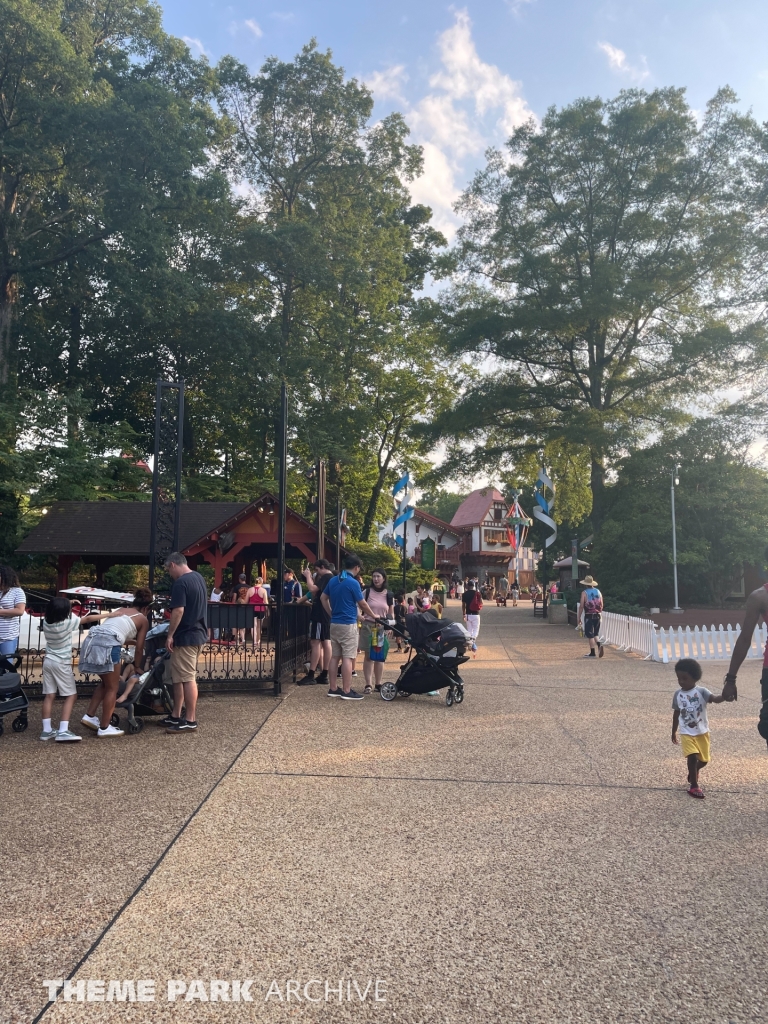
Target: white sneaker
x=91 y=722
x=66 y=736
x=110 y=731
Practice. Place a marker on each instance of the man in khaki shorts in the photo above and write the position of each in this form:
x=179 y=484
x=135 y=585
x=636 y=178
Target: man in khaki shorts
x=341 y=599
x=187 y=633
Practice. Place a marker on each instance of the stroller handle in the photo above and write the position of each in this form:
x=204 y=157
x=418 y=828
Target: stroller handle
x=390 y=624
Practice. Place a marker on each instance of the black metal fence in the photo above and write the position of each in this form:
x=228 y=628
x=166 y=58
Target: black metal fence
x=239 y=654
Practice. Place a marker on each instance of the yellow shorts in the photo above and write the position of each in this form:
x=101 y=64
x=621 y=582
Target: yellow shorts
x=698 y=745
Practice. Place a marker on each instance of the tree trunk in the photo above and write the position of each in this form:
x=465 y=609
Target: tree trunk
x=597 y=485
x=370 y=512
x=73 y=372
x=7 y=301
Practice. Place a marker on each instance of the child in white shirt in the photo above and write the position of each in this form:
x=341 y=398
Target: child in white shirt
x=58 y=626
x=689 y=705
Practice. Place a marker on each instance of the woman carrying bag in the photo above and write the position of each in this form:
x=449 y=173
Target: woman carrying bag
x=382 y=603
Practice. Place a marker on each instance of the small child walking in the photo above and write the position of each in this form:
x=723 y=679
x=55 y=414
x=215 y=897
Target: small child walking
x=59 y=624
x=689 y=706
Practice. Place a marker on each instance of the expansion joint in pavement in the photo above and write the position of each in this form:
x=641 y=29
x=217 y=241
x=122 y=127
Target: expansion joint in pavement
x=473 y=781
x=116 y=917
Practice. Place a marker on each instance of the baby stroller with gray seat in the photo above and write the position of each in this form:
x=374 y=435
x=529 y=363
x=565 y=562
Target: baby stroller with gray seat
x=153 y=688
x=12 y=696
x=438 y=648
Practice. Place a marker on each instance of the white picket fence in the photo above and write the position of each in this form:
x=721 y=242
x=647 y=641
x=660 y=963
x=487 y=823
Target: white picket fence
x=642 y=636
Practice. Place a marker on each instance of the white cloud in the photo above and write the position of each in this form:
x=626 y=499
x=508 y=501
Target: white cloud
x=465 y=75
x=437 y=188
x=617 y=61
x=195 y=44
x=254 y=27
x=470 y=105
x=516 y=6
x=388 y=84
x=436 y=118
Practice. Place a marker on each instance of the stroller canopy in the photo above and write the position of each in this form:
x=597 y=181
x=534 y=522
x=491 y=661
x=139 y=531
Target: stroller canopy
x=422 y=627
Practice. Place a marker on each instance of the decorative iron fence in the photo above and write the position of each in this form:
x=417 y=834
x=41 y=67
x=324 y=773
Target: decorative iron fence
x=239 y=654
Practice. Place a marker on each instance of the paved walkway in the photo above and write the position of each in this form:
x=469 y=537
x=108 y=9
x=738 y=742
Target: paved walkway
x=528 y=856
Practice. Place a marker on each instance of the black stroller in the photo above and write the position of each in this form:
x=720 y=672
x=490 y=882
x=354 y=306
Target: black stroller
x=12 y=696
x=437 y=649
x=154 y=687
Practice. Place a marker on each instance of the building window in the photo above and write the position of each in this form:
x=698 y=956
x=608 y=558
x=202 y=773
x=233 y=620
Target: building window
x=497 y=514
x=494 y=537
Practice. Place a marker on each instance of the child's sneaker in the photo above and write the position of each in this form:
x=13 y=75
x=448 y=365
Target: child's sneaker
x=51 y=734
x=91 y=722
x=65 y=736
x=695 y=791
x=110 y=731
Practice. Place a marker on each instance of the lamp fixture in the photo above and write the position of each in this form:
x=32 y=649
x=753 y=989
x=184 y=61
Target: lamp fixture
x=260 y=508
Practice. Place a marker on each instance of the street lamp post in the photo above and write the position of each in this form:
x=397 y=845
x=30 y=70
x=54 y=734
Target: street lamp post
x=675 y=480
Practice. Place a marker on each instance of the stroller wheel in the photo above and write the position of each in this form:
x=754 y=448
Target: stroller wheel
x=388 y=691
x=458 y=697
x=449 y=696
x=19 y=724
x=115 y=720
x=137 y=727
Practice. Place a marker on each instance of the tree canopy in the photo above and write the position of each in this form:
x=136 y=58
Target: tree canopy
x=720 y=507
x=606 y=270
x=166 y=218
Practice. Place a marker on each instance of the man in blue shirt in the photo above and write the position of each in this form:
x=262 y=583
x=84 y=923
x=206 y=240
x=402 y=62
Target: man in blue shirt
x=341 y=599
x=291 y=587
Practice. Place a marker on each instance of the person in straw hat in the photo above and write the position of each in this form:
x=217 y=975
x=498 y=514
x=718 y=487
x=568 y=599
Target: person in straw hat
x=590 y=607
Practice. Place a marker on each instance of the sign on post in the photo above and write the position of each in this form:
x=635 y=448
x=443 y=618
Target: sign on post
x=428 y=554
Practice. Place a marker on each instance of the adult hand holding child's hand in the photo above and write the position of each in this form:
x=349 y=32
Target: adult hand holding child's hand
x=730 y=693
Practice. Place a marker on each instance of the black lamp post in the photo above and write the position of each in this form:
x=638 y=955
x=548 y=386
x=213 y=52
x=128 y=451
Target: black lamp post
x=159 y=546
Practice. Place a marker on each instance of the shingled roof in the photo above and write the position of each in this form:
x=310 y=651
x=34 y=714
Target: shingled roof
x=474 y=509
x=109 y=528
x=439 y=524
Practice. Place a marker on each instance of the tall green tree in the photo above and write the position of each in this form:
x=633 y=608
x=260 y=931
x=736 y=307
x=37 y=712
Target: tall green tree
x=335 y=244
x=605 y=268
x=720 y=509
x=100 y=113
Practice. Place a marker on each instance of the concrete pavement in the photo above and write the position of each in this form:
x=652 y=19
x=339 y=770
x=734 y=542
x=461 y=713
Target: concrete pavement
x=530 y=855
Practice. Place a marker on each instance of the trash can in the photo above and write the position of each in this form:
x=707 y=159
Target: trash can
x=558 y=611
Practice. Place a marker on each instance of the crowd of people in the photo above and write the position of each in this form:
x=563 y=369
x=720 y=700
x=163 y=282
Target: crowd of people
x=100 y=654
x=345 y=619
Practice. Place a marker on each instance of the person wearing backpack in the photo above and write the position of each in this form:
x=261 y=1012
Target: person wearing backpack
x=590 y=607
x=472 y=605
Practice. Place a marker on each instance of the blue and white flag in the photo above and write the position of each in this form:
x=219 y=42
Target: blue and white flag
x=542 y=513
x=401 y=484
x=404 y=516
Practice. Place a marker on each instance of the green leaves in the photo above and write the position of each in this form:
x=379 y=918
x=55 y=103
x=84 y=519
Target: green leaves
x=720 y=507
x=607 y=271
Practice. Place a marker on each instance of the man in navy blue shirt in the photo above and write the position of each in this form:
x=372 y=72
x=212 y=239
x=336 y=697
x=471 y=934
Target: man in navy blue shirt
x=187 y=632
x=291 y=587
x=341 y=599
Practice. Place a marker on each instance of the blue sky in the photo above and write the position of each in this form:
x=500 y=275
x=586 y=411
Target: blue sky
x=464 y=74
